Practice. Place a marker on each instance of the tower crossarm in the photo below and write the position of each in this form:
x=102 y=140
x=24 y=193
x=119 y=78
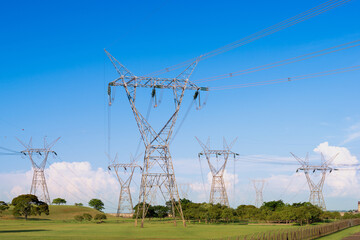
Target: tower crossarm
x=315 y=168
x=161 y=83
x=124 y=165
x=37 y=150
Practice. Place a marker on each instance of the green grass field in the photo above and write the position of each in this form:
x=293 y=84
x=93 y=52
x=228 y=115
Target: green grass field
x=342 y=234
x=60 y=224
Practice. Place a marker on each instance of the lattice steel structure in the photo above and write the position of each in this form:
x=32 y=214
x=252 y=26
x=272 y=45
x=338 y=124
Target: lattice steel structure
x=184 y=190
x=124 y=173
x=316 y=195
x=259 y=185
x=217 y=167
x=38 y=166
x=158 y=170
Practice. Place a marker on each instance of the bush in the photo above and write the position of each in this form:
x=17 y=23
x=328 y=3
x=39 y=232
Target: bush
x=87 y=217
x=100 y=216
x=79 y=218
x=79 y=204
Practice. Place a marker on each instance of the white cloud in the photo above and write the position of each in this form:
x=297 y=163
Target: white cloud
x=74 y=181
x=342 y=182
x=79 y=182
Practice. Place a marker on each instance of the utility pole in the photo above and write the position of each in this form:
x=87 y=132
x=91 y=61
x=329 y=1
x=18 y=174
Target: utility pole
x=158 y=171
x=259 y=187
x=124 y=173
x=38 y=166
x=316 y=195
x=217 y=160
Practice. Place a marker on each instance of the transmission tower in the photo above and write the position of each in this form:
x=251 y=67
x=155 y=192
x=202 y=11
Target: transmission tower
x=184 y=190
x=316 y=195
x=124 y=173
x=217 y=160
x=259 y=187
x=38 y=166
x=158 y=170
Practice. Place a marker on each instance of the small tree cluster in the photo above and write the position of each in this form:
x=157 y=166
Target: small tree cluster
x=85 y=216
x=27 y=205
x=96 y=204
x=156 y=211
x=100 y=216
x=59 y=201
x=3 y=206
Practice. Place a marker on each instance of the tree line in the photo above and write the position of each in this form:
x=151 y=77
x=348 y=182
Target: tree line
x=271 y=212
x=29 y=205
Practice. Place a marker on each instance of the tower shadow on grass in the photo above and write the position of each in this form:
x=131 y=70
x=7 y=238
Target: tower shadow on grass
x=19 y=231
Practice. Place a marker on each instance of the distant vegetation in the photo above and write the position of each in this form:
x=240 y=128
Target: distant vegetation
x=3 y=206
x=27 y=205
x=96 y=204
x=271 y=212
x=59 y=201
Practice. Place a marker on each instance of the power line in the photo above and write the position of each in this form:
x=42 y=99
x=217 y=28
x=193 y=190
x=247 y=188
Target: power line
x=282 y=62
x=95 y=193
x=260 y=34
x=289 y=79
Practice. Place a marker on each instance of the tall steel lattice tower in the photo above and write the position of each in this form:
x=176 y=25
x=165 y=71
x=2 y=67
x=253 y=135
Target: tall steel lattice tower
x=124 y=173
x=316 y=195
x=38 y=166
x=217 y=160
x=158 y=170
x=259 y=185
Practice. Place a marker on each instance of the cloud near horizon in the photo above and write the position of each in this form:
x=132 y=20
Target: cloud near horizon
x=79 y=182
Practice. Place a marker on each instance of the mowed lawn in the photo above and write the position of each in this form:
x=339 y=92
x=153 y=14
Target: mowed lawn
x=340 y=235
x=40 y=229
x=60 y=224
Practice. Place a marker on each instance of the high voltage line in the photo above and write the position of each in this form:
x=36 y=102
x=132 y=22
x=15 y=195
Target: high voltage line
x=289 y=79
x=260 y=34
x=303 y=57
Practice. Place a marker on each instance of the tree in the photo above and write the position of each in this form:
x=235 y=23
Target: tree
x=3 y=206
x=79 y=218
x=59 y=201
x=96 y=204
x=273 y=205
x=27 y=205
x=87 y=216
x=161 y=211
x=100 y=216
x=79 y=204
x=227 y=214
x=150 y=210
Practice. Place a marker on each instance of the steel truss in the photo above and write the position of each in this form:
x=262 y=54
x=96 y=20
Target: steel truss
x=124 y=173
x=316 y=195
x=158 y=170
x=259 y=187
x=217 y=167
x=39 y=180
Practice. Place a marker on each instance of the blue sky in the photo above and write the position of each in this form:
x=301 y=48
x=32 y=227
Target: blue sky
x=54 y=73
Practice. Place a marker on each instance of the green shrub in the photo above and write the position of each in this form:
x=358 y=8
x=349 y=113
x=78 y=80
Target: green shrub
x=87 y=217
x=100 y=216
x=79 y=218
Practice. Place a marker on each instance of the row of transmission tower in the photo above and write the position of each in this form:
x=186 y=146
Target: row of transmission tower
x=157 y=171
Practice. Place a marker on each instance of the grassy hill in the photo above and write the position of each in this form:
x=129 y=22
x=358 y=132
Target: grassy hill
x=57 y=212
